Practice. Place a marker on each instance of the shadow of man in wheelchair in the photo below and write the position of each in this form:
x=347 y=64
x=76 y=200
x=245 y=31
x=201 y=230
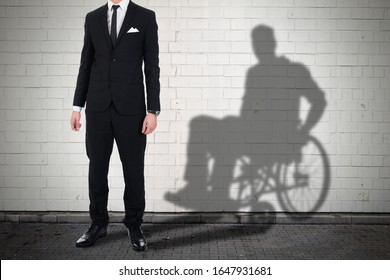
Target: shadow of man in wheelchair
x=235 y=163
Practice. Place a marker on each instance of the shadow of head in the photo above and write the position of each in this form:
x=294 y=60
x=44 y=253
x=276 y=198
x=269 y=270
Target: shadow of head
x=263 y=41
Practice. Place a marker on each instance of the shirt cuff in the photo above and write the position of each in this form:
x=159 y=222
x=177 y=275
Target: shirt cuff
x=77 y=108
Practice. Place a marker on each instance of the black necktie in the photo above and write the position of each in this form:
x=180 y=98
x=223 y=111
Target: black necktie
x=113 y=25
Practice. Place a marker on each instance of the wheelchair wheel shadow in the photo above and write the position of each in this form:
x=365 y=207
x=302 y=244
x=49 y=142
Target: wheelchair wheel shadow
x=266 y=159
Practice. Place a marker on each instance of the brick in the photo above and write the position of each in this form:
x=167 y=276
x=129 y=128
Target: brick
x=15 y=115
x=9 y=46
x=36 y=35
x=33 y=59
x=36 y=70
x=11 y=58
x=15 y=70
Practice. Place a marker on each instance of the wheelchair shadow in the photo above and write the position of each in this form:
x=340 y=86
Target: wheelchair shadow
x=236 y=163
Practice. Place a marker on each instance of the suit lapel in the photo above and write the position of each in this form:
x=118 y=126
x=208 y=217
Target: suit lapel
x=103 y=20
x=131 y=11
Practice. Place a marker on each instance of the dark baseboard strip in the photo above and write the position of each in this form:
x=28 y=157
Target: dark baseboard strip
x=207 y=218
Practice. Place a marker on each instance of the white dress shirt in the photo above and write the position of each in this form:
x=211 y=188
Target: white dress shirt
x=121 y=13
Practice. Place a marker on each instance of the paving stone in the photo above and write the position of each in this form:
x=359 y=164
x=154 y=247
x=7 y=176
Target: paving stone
x=200 y=241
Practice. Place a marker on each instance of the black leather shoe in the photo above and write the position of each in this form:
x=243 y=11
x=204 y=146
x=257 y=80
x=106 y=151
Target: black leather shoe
x=89 y=238
x=137 y=239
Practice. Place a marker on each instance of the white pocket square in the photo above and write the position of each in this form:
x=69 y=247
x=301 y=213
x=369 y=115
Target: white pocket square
x=132 y=30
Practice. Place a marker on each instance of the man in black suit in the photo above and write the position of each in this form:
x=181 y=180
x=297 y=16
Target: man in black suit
x=119 y=38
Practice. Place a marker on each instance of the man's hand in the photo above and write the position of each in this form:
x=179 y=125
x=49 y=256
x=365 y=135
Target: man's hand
x=75 y=121
x=149 y=124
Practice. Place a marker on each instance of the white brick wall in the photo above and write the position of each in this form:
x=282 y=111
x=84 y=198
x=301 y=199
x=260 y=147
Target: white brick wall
x=206 y=52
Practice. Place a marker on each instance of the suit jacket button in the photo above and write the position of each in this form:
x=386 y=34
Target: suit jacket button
x=113 y=60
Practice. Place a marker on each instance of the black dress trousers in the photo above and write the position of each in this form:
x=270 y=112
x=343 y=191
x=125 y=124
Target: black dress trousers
x=102 y=128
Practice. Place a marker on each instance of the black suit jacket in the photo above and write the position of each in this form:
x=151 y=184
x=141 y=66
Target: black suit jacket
x=114 y=74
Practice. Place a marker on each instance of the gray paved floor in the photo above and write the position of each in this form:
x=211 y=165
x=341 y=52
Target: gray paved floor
x=200 y=241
